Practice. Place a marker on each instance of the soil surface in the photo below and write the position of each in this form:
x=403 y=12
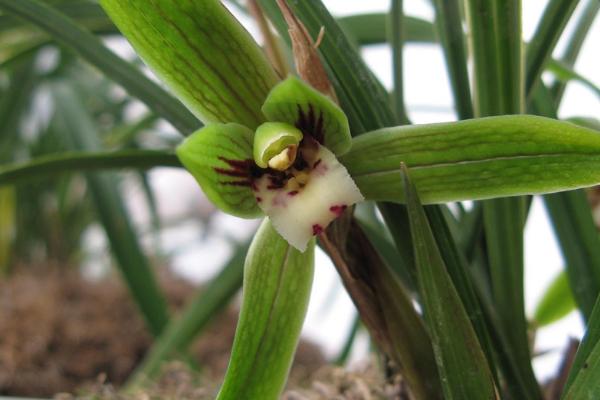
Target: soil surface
x=61 y=333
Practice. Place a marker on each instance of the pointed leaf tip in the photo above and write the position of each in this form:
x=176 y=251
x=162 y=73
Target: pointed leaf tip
x=463 y=367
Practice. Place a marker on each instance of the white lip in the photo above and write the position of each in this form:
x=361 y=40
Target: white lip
x=299 y=216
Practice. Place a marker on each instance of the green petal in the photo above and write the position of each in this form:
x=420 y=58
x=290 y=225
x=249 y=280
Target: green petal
x=219 y=156
x=202 y=53
x=296 y=103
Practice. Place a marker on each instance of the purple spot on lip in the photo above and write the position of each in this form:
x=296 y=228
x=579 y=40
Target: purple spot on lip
x=317 y=229
x=338 y=210
x=317 y=163
x=258 y=199
x=293 y=193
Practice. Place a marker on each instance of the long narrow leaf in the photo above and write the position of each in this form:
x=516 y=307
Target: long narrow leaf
x=134 y=266
x=91 y=49
x=556 y=302
x=574 y=45
x=374 y=28
x=397 y=42
x=553 y=22
x=574 y=226
x=565 y=74
x=497 y=46
x=463 y=367
x=448 y=22
x=7 y=225
x=41 y=167
x=584 y=379
x=180 y=332
x=384 y=305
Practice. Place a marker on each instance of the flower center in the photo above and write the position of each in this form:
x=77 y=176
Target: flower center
x=284 y=159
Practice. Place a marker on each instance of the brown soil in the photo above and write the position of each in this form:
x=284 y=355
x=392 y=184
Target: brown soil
x=328 y=383
x=60 y=333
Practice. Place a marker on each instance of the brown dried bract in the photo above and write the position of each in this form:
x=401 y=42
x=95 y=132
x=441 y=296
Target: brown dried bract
x=309 y=65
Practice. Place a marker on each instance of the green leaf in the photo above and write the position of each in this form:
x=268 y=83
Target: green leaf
x=588 y=122
x=487 y=88
x=277 y=284
x=202 y=53
x=549 y=29
x=79 y=161
x=373 y=28
x=565 y=74
x=386 y=249
x=574 y=44
x=463 y=367
x=7 y=225
x=344 y=353
x=298 y=104
x=180 y=333
x=91 y=49
x=385 y=306
x=397 y=21
x=77 y=125
x=461 y=275
x=448 y=22
x=219 y=156
x=556 y=303
x=476 y=159
x=583 y=382
x=574 y=227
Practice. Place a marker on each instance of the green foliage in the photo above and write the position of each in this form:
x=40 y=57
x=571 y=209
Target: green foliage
x=475 y=159
x=464 y=270
x=464 y=371
x=556 y=303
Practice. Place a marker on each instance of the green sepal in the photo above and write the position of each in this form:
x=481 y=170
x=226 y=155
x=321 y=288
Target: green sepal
x=202 y=53
x=219 y=156
x=271 y=138
x=277 y=286
x=475 y=159
x=298 y=104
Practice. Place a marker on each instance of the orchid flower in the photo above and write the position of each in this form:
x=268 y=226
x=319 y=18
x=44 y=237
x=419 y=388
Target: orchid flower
x=287 y=169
